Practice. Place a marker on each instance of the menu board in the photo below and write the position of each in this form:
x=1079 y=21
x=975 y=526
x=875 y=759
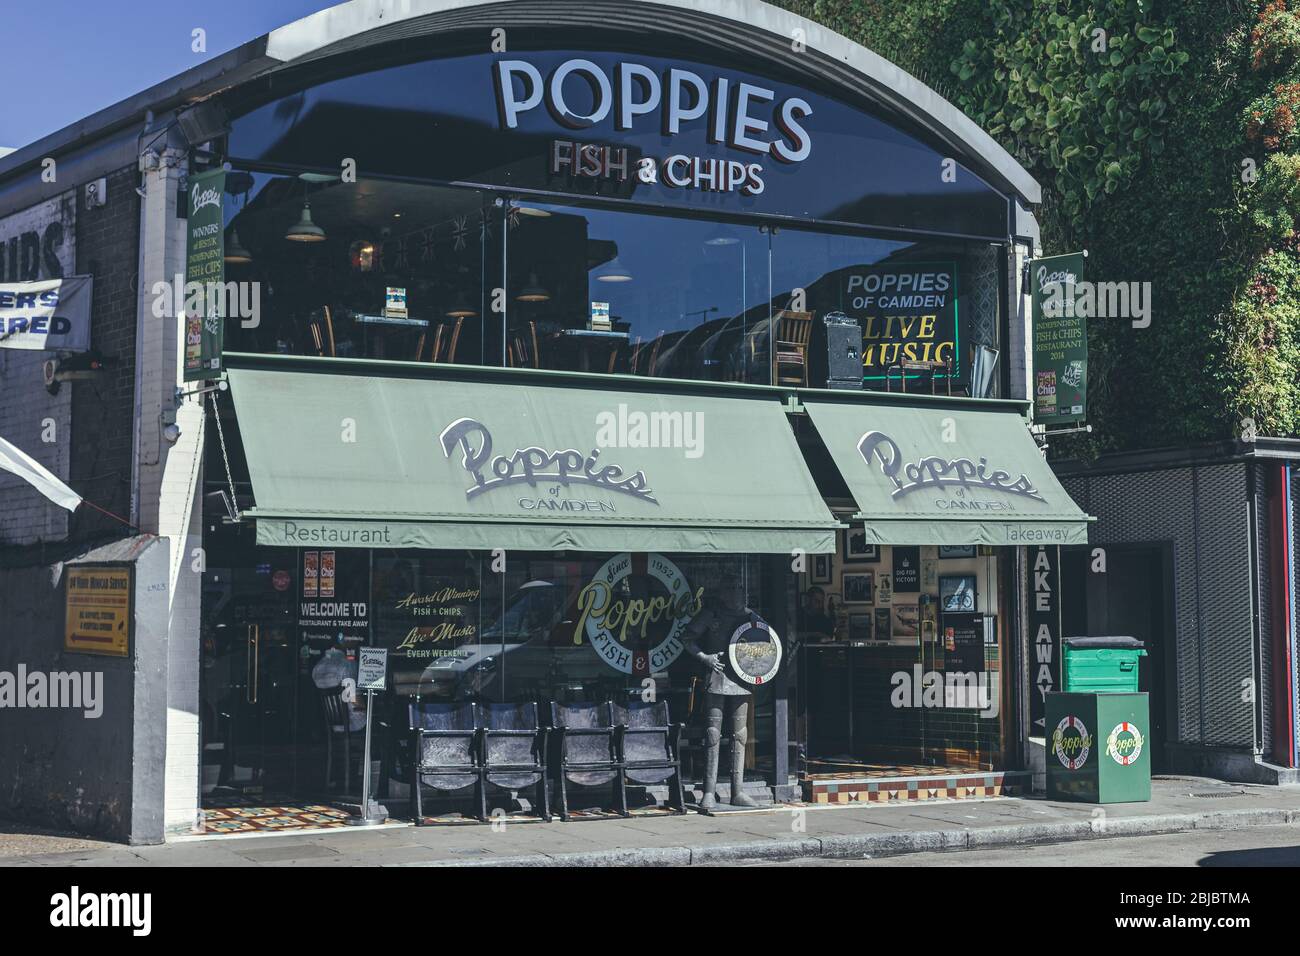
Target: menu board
x=963 y=642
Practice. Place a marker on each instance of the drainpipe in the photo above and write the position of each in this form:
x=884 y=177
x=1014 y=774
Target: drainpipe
x=1281 y=555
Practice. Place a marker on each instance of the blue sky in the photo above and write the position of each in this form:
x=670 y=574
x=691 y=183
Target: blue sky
x=78 y=56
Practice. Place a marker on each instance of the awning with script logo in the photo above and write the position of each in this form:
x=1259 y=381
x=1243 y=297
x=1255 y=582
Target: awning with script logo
x=450 y=460
x=941 y=474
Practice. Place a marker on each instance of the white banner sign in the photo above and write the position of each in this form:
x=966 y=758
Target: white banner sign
x=372 y=668
x=51 y=314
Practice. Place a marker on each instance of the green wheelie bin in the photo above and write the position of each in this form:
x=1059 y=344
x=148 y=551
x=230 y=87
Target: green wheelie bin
x=1097 y=726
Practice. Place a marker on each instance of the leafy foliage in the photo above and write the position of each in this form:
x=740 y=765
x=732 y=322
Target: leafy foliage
x=1164 y=134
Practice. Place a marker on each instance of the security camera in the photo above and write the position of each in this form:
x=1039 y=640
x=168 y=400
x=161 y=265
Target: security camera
x=172 y=432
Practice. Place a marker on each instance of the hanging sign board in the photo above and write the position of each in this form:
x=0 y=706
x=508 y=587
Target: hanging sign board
x=372 y=668
x=98 y=606
x=205 y=264
x=53 y=314
x=1060 y=341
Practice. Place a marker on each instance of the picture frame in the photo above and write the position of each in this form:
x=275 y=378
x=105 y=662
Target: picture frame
x=860 y=627
x=906 y=621
x=856 y=548
x=858 y=587
x=958 y=593
x=821 y=569
x=951 y=551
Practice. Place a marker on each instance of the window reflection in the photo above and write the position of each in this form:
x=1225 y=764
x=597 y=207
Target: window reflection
x=612 y=291
x=364 y=270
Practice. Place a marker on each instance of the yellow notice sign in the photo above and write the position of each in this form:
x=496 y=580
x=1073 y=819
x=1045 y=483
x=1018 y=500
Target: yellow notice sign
x=98 y=610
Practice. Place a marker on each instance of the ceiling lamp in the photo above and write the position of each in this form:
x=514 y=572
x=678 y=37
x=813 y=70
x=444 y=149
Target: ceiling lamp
x=304 y=230
x=461 y=309
x=613 y=271
x=533 y=292
x=236 y=254
x=532 y=211
x=720 y=238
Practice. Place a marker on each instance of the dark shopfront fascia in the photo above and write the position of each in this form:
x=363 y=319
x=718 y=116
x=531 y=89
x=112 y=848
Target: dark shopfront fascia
x=519 y=272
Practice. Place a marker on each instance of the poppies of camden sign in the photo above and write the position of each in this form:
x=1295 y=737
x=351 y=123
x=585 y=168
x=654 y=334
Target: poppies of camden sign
x=52 y=314
x=908 y=313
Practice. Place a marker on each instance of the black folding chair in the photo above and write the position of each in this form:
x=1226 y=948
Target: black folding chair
x=514 y=751
x=649 y=750
x=588 y=751
x=446 y=754
x=338 y=729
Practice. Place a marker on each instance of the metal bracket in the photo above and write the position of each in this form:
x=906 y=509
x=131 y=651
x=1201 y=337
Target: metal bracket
x=793 y=406
x=180 y=393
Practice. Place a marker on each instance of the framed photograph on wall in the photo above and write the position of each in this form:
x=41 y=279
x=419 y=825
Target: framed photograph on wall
x=906 y=621
x=857 y=587
x=860 y=627
x=821 y=569
x=957 y=592
x=957 y=551
x=856 y=548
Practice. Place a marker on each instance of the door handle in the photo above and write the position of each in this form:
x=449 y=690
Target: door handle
x=254 y=639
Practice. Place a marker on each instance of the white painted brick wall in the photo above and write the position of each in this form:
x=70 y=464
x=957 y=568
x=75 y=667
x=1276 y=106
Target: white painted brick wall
x=170 y=482
x=26 y=516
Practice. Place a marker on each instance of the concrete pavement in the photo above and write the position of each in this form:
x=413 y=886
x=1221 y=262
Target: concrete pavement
x=1179 y=804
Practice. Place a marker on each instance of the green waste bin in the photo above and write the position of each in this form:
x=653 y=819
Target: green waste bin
x=1098 y=749
x=1101 y=664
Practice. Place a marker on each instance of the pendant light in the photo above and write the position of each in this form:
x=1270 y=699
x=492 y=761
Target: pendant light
x=613 y=271
x=533 y=292
x=304 y=230
x=236 y=254
x=720 y=238
x=461 y=308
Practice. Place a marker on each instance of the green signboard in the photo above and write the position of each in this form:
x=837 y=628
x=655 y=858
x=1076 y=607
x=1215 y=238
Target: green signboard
x=1060 y=341
x=205 y=273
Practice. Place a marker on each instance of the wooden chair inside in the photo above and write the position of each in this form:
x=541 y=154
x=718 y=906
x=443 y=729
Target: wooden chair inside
x=522 y=351
x=790 y=361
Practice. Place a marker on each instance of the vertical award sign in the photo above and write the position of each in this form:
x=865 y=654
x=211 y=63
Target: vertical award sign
x=1060 y=341
x=205 y=264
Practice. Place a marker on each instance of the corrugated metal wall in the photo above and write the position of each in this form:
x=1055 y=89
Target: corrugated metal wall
x=1204 y=513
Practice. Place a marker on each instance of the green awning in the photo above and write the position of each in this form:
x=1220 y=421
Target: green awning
x=948 y=476
x=354 y=460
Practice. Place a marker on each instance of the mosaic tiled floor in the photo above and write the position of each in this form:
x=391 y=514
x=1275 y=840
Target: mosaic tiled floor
x=932 y=784
x=263 y=819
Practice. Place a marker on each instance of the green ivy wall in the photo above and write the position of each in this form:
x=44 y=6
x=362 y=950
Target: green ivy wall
x=1165 y=137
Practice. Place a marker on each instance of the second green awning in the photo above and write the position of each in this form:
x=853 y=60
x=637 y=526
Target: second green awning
x=946 y=475
x=359 y=460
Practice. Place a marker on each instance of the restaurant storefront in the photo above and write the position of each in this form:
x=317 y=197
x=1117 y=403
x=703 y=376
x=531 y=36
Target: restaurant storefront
x=570 y=351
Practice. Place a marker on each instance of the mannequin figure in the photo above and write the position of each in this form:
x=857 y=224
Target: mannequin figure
x=707 y=638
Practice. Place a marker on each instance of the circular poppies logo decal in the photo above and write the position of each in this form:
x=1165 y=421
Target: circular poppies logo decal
x=1124 y=743
x=634 y=612
x=1071 y=742
x=754 y=652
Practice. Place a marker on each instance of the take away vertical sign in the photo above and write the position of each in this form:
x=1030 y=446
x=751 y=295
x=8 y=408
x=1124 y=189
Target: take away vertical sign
x=205 y=264
x=1044 y=631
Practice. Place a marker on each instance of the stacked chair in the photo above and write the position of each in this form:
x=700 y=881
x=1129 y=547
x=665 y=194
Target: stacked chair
x=504 y=746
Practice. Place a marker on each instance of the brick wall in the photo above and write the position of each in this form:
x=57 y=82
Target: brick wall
x=107 y=248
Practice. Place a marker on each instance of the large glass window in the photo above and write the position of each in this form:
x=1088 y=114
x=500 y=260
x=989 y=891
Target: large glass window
x=368 y=269
x=418 y=273
x=612 y=291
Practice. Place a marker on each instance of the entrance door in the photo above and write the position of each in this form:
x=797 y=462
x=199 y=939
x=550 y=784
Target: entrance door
x=249 y=694
x=1133 y=598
